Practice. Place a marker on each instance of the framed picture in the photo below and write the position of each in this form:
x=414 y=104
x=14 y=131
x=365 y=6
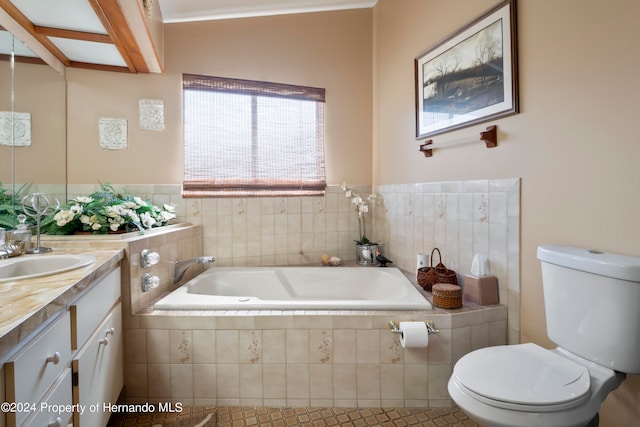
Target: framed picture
x=470 y=77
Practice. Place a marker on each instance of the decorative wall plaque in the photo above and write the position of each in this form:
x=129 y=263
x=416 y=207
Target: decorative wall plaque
x=113 y=133
x=21 y=136
x=151 y=114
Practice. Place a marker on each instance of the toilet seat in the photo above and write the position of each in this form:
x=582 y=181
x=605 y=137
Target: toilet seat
x=523 y=377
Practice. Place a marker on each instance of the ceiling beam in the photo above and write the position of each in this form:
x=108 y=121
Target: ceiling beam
x=115 y=23
x=140 y=27
x=71 y=34
x=21 y=27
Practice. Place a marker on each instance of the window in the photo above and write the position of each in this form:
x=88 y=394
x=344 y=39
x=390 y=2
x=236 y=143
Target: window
x=249 y=138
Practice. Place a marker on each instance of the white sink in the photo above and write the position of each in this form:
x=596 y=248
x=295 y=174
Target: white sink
x=30 y=266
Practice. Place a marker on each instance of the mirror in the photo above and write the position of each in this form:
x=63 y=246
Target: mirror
x=33 y=100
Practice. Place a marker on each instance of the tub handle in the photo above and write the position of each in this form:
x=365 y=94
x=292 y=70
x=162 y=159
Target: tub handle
x=148 y=258
x=149 y=282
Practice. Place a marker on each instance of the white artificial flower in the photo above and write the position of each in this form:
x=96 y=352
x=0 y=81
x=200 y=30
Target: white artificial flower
x=62 y=218
x=134 y=216
x=84 y=199
x=147 y=220
x=139 y=201
x=165 y=216
x=76 y=209
x=112 y=211
x=129 y=205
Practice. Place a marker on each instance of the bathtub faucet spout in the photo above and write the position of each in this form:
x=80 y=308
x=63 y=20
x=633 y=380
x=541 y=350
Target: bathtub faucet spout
x=182 y=266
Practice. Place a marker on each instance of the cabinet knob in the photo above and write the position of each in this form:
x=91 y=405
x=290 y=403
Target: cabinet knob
x=110 y=331
x=56 y=423
x=104 y=341
x=54 y=358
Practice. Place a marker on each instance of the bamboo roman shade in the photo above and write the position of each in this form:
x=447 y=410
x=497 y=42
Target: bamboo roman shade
x=251 y=138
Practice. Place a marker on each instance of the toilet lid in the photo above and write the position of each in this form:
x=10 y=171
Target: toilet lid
x=523 y=374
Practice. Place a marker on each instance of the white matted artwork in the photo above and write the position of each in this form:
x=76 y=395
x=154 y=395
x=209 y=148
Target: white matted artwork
x=151 y=114
x=21 y=135
x=113 y=133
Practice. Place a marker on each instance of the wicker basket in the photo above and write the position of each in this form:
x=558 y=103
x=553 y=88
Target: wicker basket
x=446 y=295
x=429 y=276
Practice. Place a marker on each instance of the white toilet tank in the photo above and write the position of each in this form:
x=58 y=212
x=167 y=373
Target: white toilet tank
x=592 y=303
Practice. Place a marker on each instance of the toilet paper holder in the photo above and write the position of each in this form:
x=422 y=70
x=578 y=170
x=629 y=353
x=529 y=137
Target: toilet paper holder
x=395 y=327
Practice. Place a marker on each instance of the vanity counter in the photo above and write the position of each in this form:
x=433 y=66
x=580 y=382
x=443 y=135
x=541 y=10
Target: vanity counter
x=26 y=305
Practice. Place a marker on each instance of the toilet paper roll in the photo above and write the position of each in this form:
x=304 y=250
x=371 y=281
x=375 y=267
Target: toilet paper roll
x=413 y=335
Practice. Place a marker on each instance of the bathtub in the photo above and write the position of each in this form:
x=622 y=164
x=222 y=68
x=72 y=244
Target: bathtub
x=296 y=288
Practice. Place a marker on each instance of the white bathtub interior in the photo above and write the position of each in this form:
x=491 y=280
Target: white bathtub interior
x=296 y=288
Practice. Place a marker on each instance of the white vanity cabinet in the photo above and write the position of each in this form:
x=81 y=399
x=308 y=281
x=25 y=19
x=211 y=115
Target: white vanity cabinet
x=96 y=326
x=75 y=359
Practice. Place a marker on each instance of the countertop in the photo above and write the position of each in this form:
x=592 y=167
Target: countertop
x=26 y=305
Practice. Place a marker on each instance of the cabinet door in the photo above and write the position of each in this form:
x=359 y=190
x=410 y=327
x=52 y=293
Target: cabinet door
x=32 y=371
x=55 y=407
x=99 y=368
x=92 y=307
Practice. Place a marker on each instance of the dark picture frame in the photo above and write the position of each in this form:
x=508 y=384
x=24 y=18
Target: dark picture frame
x=471 y=76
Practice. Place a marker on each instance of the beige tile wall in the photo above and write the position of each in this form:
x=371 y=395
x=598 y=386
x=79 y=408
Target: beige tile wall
x=172 y=243
x=300 y=358
x=262 y=231
x=461 y=219
x=315 y=358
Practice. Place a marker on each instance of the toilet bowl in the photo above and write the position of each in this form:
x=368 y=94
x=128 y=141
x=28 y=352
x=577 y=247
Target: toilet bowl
x=527 y=385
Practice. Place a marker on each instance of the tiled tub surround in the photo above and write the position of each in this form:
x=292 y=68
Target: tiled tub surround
x=172 y=243
x=326 y=358
x=262 y=231
x=300 y=358
x=461 y=218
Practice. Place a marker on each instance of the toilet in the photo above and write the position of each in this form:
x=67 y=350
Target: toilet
x=591 y=302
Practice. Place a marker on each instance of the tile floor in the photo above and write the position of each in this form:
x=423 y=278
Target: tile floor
x=281 y=417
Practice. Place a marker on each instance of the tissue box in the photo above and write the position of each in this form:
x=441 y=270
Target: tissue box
x=481 y=290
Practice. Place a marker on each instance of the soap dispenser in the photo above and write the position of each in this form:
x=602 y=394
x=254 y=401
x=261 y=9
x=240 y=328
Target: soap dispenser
x=22 y=232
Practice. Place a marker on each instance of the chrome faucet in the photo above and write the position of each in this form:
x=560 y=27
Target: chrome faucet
x=182 y=266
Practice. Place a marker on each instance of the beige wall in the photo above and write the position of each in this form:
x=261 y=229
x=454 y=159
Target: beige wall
x=39 y=91
x=330 y=50
x=574 y=142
